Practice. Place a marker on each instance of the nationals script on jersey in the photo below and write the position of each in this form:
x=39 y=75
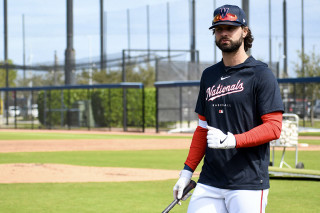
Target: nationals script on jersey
x=233 y=99
x=216 y=92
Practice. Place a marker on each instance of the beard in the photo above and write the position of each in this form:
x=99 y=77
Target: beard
x=233 y=47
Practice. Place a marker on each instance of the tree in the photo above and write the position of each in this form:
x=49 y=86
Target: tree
x=42 y=79
x=144 y=74
x=311 y=68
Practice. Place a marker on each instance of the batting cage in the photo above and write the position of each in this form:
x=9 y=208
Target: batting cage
x=176 y=99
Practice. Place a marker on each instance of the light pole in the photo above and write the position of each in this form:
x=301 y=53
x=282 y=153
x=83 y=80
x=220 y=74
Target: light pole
x=5 y=24
x=70 y=52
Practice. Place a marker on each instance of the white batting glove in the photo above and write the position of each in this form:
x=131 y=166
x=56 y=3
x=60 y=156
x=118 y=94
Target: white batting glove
x=184 y=180
x=218 y=140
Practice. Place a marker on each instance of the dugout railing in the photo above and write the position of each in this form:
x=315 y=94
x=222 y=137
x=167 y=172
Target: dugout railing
x=100 y=106
x=175 y=101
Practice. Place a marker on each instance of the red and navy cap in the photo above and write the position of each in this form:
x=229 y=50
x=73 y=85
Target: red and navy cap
x=229 y=15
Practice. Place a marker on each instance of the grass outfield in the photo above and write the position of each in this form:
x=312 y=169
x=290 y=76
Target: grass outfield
x=156 y=159
x=133 y=197
x=138 y=197
x=55 y=136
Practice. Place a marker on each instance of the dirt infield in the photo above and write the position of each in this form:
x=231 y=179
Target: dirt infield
x=36 y=173
x=57 y=173
x=53 y=173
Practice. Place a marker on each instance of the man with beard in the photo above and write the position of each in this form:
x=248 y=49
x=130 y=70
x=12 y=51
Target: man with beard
x=240 y=112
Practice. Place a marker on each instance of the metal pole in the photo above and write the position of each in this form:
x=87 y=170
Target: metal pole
x=24 y=51
x=109 y=108
x=285 y=68
x=180 y=105
x=62 y=109
x=128 y=32
x=102 y=64
x=32 y=118
x=168 y=28
x=6 y=56
x=45 y=109
x=55 y=68
x=193 y=31
x=304 y=105
x=124 y=94
x=123 y=66
x=148 y=32
x=70 y=52
x=68 y=111
x=143 y=110
x=124 y=98
x=157 y=110
x=245 y=7
x=50 y=112
x=270 y=40
x=157 y=97
x=88 y=106
x=105 y=28
x=15 y=108
x=302 y=36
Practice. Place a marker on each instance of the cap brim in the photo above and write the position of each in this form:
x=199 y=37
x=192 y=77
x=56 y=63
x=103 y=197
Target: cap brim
x=225 y=23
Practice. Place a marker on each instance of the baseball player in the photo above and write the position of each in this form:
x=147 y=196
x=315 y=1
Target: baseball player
x=240 y=111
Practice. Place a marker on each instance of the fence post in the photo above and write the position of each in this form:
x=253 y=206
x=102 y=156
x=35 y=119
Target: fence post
x=88 y=108
x=62 y=108
x=50 y=114
x=15 y=108
x=45 y=108
x=68 y=111
x=110 y=109
x=143 y=109
x=180 y=105
x=157 y=110
x=32 y=119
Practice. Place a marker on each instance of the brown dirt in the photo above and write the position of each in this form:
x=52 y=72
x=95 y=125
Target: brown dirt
x=57 y=173
x=35 y=173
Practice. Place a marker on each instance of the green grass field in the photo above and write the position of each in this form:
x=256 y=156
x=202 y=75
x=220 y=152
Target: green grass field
x=134 y=197
x=74 y=135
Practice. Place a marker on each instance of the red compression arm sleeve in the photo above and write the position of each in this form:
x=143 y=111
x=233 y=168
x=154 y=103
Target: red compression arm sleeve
x=198 y=146
x=269 y=130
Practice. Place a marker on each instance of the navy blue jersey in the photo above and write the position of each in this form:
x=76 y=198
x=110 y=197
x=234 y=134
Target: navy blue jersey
x=233 y=99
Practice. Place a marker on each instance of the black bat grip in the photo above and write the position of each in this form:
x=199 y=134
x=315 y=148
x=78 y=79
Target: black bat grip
x=188 y=188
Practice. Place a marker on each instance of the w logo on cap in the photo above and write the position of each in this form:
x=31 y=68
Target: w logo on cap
x=223 y=12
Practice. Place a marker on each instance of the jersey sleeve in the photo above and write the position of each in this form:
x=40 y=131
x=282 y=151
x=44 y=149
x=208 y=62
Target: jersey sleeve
x=267 y=92
x=200 y=105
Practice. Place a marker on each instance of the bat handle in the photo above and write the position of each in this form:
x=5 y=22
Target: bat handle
x=188 y=188
x=171 y=206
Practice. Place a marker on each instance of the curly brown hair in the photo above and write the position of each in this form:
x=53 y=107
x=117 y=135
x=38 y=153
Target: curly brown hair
x=248 y=40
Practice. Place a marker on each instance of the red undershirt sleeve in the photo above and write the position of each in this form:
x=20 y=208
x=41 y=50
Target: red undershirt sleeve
x=269 y=130
x=198 y=146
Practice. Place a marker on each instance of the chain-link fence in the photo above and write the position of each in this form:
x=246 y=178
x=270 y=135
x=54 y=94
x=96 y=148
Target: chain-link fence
x=176 y=102
x=104 y=106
